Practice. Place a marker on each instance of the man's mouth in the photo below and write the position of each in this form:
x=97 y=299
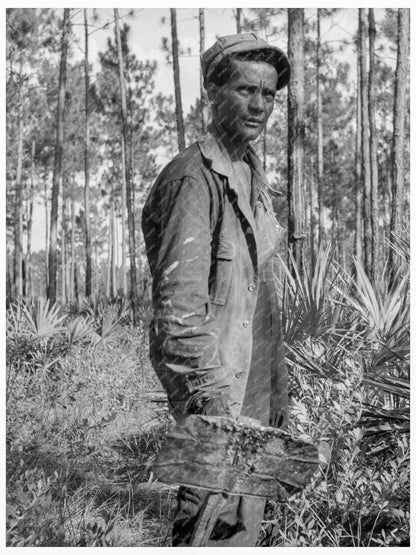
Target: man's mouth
x=253 y=122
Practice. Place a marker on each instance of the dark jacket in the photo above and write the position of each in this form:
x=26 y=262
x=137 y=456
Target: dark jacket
x=212 y=255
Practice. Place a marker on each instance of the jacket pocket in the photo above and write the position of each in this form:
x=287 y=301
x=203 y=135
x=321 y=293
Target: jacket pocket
x=221 y=272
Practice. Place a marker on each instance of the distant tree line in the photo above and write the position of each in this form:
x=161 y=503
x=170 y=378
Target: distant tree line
x=86 y=146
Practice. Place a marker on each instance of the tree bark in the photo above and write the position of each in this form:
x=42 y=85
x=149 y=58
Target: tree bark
x=358 y=239
x=296 y=134
x=64 y=283
x=73 y=262
x=373 y=146
x=123 y=218
x=201 y=79
x=365 y=144
x=88 y=253
x=177 y=80
x=29 y=283
x=317 y=213
x=109 y=252
x=57 y=170
x=238 y=18
x=17 y=258
x=128 y=171
x=45 y=189
x=399 y=113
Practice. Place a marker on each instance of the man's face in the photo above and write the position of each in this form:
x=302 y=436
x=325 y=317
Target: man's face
x=242 y=106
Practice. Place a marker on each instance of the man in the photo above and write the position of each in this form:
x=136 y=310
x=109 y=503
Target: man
x=211 y=238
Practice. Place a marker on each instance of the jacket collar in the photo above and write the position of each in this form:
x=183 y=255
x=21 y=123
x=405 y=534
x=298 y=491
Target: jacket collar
x=214 y=152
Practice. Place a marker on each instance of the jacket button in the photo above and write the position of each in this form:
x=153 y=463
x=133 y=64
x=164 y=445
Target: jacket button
x=239 y=374
x=245 y=324
x=251 y=287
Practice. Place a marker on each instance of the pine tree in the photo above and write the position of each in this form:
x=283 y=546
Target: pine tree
x=177 y=80
x=57 y=171
x=296 y=133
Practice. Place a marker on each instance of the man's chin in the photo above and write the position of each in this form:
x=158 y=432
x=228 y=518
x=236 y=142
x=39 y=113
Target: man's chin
x=251 y=134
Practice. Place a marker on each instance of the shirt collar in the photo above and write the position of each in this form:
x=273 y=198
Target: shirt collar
x=218 y=158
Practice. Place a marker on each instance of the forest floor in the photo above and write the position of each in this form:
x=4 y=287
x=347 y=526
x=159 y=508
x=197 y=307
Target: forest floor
x=81 y=441
x=84 y=428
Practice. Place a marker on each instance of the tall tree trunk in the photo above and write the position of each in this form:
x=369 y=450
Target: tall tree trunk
x=64 y=258
x=73 y=262
x=109 y=252
x=17 y=258
x=57 y=170
x=399 y=113
x=365 y=144
x=45 y=189
x=335 y=222
x=358 y=239
x=115 y=254
x=9 y=292
x=317 y=208
x=201 y=79
x=296 y=134
x=238 y=19
x=177 y=80
x=112 y=249
x=264 y=144
x=29 y=281
x=123 y=218
x=373 y=146
x=88 y=253
x=96 y=268
x=128 y=168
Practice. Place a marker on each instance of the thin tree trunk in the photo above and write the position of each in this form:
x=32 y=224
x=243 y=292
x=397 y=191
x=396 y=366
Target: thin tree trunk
x=128 y=168
x=296 y=133
x=17 y=259
x=88 y=253
x=177 y=80
x=109 y=253
x=373 y=146
x=9 y=292
x=76 y=290
x=317 y=190
x=201 y=79
x=57 y=170
x=29 y=281
x=264 y=141
x=335 y=222
x=238 y=18
x=96 y=268
x=64 y=258
x=72 y=282
x=45 y=189
x=114 y=257
x=399 y=113
x=365 y=144
x=358 y=240
x=123 y=218
x=65 y=249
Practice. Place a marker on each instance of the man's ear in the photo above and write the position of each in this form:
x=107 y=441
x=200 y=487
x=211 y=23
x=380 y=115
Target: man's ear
x=212 y=91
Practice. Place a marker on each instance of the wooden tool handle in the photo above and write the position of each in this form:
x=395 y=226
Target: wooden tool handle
x=207 y=518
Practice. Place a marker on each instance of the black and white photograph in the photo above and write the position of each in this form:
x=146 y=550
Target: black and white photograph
x=207 y=276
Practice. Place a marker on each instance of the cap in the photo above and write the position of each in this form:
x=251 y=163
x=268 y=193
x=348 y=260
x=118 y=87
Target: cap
x=244 y=42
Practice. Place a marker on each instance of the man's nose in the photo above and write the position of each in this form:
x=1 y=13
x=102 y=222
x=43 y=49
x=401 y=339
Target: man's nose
x=257 y=102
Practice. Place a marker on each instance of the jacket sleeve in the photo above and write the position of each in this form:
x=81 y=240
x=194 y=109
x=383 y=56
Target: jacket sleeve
x=176 y=226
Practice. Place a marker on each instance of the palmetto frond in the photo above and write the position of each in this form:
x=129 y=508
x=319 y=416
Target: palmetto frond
x=39 y=319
